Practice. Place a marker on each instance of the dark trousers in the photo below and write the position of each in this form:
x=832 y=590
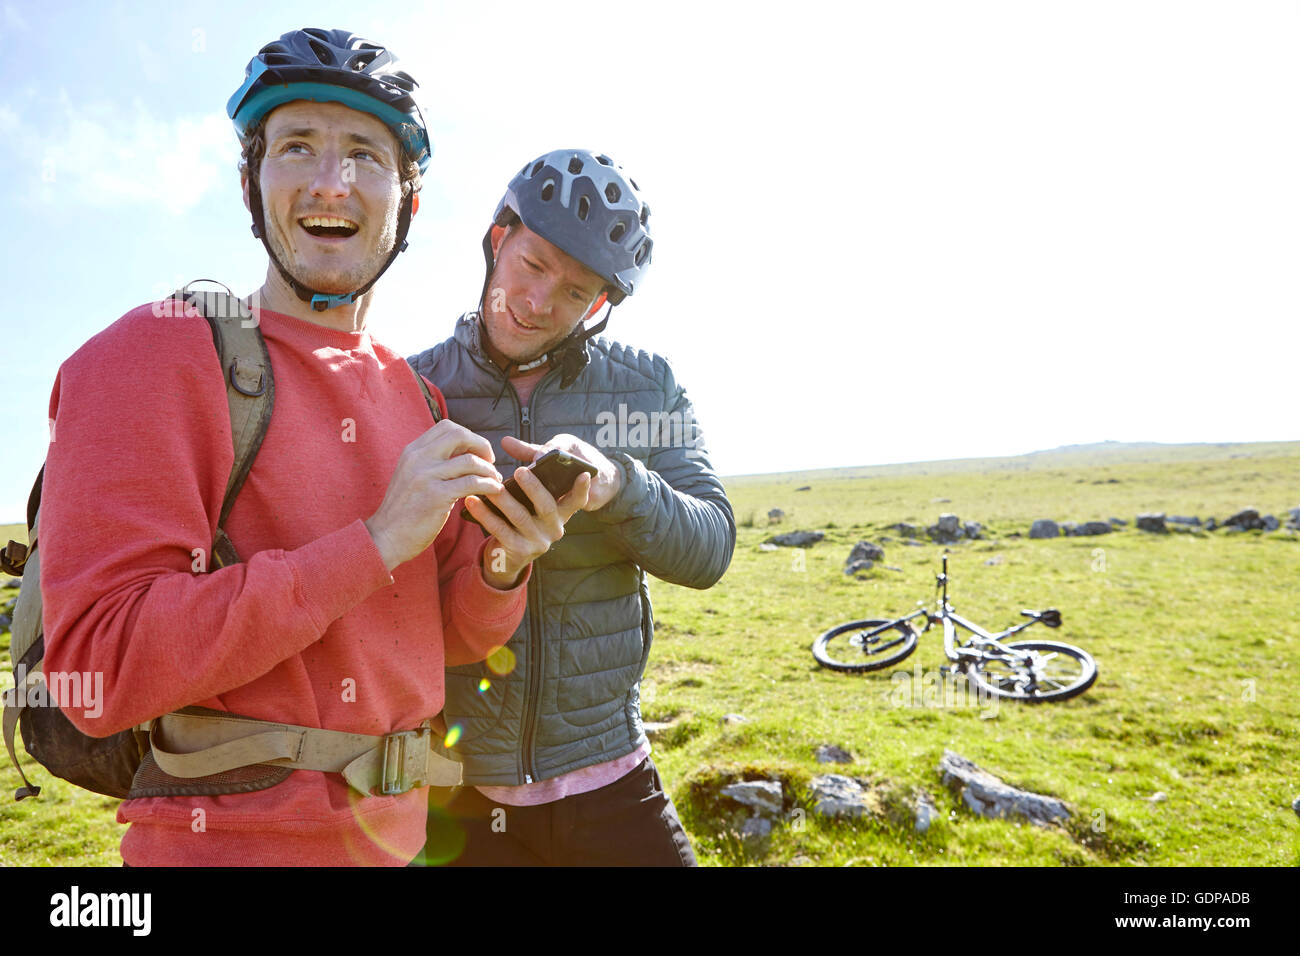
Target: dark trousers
x=630 y=822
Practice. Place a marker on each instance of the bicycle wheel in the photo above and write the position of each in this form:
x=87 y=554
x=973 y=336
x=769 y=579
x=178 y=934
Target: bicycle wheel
x=1034 y=671
x=852 y=647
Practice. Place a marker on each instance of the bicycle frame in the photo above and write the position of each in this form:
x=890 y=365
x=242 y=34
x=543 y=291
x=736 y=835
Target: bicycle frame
x=978 y=646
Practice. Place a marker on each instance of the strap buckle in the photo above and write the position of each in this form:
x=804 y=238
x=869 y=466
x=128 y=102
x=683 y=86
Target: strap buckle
x=405 y=760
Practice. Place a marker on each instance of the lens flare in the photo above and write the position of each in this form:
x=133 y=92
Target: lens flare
x=483 y=685
x=453 y=735
x=501 y=661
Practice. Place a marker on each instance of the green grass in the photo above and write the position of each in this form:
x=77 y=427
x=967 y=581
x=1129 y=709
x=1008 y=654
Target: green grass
x=1195 y=638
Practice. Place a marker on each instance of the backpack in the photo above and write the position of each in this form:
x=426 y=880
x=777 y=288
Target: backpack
x=129 y=764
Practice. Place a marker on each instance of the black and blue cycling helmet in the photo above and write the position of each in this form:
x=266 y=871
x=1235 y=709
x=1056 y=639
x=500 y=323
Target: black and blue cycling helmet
x=331 y=66
x=582 y=203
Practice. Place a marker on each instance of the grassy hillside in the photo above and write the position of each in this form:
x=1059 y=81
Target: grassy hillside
x=1195 y=636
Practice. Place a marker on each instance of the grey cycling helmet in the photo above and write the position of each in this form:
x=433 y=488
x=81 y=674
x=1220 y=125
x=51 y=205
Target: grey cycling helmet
x=583 y=203
x=331 y=66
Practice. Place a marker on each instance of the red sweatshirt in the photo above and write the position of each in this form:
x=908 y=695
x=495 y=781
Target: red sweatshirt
x=310 y=629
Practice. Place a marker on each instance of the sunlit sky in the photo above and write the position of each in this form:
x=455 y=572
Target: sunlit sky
x=883 y=231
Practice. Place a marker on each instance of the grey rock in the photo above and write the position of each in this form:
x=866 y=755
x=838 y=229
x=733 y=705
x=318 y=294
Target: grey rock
x=946 y=531
x=1158 y=797
x=1247 y=519
x=996 y=559
x=1119 y=522
x=1295 y=805
x=973 y=530
x=756 y=829
x=906 y=530
x=1093 y=527
x=912 y=543
x=1152 y=521
x=804 y=488
x=866 y=550
x=890 y=567
x=1271 y=523
x=765 y=796
x=1067 y=528
x=1295 y=514
x=1045 y=528
x=829 y=753
x=989 y=796
x=775 y=516
x=1183 y=519
x=857 y=567
x=796 y=539
x=12 y=583
x=735 y=719
x=924 y=812
x=5 y=622
x=1210 y=524
x=835 y=795
x=765 y=546
x=940 y=501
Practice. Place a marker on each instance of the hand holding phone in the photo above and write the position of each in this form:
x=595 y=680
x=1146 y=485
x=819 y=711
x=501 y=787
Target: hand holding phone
x=556 y=470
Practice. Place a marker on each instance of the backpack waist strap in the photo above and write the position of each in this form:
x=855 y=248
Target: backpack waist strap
x=190 y=743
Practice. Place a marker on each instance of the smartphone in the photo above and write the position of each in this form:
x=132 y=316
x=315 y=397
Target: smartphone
x=556 y=470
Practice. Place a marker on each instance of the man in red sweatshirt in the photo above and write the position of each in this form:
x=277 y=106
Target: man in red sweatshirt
x=359 y=581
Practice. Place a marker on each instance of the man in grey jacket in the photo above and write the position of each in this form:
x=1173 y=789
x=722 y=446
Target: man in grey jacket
x=550 y=728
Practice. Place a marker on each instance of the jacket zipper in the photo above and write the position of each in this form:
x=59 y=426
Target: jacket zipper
x=532 y=690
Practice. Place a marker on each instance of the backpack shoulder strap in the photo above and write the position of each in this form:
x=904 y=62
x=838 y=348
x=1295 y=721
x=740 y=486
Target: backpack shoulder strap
x=250 y=394
x=428 y=396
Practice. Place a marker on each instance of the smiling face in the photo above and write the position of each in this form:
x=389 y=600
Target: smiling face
x=331 y=193
x=536 y=296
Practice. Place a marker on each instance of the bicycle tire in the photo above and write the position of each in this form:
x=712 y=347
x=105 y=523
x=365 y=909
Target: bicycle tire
x=1069 y=670
x=854 y=656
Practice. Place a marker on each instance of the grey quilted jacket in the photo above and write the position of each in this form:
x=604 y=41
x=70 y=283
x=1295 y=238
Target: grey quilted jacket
x=569 y=698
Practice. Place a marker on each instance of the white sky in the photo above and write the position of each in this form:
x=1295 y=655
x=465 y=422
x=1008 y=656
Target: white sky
x=883 y=231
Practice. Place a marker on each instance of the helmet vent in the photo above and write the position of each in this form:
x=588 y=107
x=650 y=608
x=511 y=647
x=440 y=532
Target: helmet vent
x=642 y=252
x=575 y=165
x=548 y=190
x=612 y=192
x=617 y=232
x=537 y=168
x=361 y=60
x=584 y=207
x=604 y=160
x=645 y=213
x=322 y=52
x=277 y=59
x=634 y=185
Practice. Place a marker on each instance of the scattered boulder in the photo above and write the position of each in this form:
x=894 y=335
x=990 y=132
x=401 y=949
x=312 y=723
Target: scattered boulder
x=775 y=516
x=1044 y=528
x=1119 y=522
x=989 y=796
x=765 y=796
x=655 y=729
x=5 y=622
x=940 y=501
x=906 y=530
x=946 y=531
x=1295 y=805
x=924 y=812
x=1184 y=519
x=1247 y=519
x=861 y=558
x=973 y=530
x=1091 y=528
x=829 y=753
x=1271 y=523
x=768 y=546
x=1158 y=797
x=735 y=719
x=796 y=539
x=1152 y=521
x=11 y=583
x=837 y=796
x=1067 y=528
x=1210 y=524
x=804 y=488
